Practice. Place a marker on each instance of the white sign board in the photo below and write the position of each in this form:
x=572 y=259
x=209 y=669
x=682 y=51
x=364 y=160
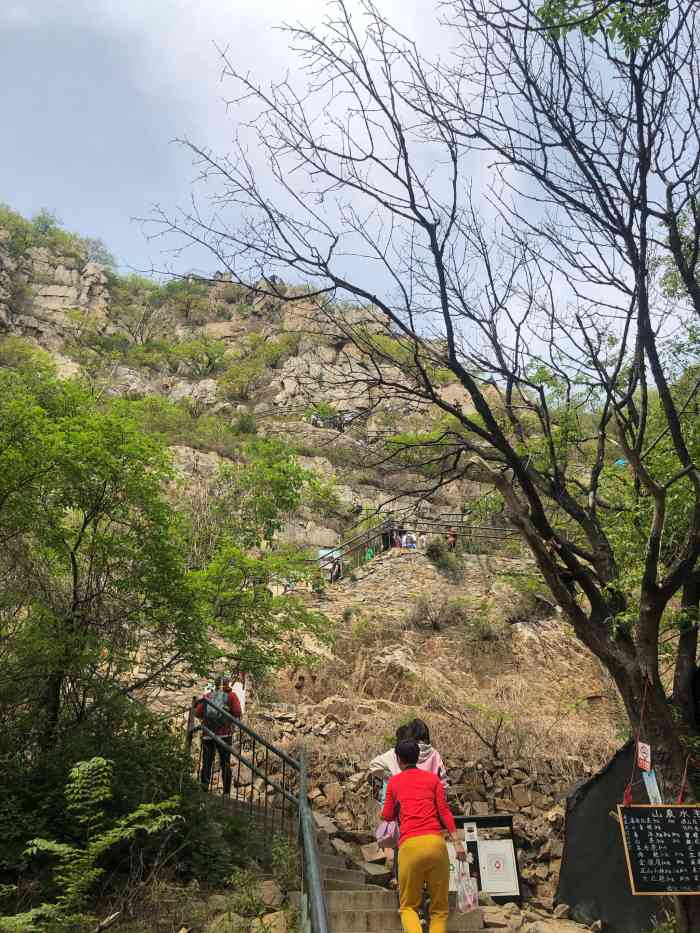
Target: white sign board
x=497 y=867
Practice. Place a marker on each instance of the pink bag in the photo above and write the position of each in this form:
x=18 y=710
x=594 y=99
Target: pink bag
x=387 y=834
x=467 y=890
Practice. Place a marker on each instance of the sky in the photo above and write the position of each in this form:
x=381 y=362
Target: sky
x=93 y=93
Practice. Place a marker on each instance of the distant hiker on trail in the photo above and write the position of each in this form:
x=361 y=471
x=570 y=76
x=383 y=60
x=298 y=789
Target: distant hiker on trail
x=429 y=759
x=210 y=713
x=369 y=553
x=387 y=536
x=422 y=541
x=396 y=538
x=451 y=539
x=336 y=570
x=418 y=798
x=410 y=539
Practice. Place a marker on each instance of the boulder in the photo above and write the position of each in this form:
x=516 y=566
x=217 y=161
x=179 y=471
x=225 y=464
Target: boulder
x=333 y=792
x=217 y=903
x=270 y=923
x=270 y=894
x=227 y=923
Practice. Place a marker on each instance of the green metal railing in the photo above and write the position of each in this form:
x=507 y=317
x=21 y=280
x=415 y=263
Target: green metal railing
x=270 y=787
x=350 y=553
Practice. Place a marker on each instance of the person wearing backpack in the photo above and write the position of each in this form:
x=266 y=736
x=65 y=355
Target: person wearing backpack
x=212 y=714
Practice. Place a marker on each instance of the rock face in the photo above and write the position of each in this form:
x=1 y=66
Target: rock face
x=40 y=287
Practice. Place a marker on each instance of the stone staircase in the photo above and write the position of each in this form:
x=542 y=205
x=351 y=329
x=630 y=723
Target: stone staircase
x=355 y=906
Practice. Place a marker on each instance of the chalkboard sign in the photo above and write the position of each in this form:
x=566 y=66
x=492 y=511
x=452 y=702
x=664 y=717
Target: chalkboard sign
x=662 y=848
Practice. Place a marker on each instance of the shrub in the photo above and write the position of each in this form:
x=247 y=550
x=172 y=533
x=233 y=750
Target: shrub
x=285 y=863
x=438 y=614
x=245 y=898
x=255 y=356
x=245 y=423
x=232 y=294
x=88 y=793
x=447 y=562
x=42 y=230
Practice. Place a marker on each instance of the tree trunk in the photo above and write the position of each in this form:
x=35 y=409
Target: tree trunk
x=662 y=730
x=687 y=914
x=52 y=705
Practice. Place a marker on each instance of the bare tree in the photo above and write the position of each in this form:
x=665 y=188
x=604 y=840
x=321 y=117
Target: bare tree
x=543 y=305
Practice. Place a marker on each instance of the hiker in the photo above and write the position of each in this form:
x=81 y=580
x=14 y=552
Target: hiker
x=223 y=699
x=239 y=688
x=422 y=541
x=410 y=540
x=451 y=539
x=336 y=570
x=386 y=527
x=418 y=798
x=386 y=766
x=428 y=759
x=369 y=553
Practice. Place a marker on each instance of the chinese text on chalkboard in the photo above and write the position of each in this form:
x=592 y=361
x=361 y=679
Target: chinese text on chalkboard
x=662 y=846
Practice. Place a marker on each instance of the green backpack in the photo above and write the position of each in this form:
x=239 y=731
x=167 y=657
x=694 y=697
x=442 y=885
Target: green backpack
x=214 y=718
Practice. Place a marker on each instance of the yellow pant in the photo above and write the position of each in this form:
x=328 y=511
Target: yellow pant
x=424 y=859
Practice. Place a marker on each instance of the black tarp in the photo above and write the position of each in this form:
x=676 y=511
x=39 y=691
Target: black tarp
x=593 y=879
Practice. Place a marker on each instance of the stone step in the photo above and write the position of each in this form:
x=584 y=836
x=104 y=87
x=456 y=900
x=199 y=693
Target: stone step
x=365 y=899
x=342 y=885
x=368 y=898
x=343 y=874
x=388 y=921
x=332 y=861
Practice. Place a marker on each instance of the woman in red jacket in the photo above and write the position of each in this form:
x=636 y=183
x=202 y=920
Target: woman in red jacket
x=417 y=800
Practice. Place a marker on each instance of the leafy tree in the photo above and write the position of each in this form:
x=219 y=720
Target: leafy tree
x=43 y=230
x=136 y=309
x=629 y=22
x=556 y=330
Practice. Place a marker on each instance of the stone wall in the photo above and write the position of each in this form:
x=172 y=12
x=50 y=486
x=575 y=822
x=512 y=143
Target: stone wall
x=532 y=790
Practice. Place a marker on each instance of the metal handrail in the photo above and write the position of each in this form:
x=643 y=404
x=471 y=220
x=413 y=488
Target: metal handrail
x=251 y=733
x=247 y=762
x=373 y=534
x=312 y=881
x=317 y=901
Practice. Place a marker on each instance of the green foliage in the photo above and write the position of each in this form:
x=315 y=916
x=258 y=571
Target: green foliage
x=245 y=897
x=176 y=423
x=132 y=339
x=624 y=22
x=321 y=409
x=88 y=791
x=251 y=361
x=232 y=294
x=245 y=423
x=43 y=230
x=411 y=358
x=285 y=863
x=188 y=299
